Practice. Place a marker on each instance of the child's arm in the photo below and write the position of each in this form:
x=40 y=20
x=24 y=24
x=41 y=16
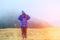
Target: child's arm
x=20 y=17
x=28 y=17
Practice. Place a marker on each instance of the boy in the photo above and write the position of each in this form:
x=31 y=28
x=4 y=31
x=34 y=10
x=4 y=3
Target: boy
x=23 y=23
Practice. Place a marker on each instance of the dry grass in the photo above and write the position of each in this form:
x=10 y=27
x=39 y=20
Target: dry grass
x=33 y=34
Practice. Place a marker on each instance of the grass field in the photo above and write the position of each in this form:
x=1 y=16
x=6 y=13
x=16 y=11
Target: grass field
x=33 y=34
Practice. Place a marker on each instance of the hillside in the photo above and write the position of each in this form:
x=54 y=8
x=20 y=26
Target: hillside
x=14 y=23
x=33 y=34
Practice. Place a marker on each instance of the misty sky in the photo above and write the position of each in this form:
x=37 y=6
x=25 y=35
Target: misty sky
x=48 y=10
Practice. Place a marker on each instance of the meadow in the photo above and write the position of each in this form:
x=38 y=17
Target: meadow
x=32 y=34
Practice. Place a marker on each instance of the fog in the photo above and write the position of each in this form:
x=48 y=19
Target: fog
x=48 y=10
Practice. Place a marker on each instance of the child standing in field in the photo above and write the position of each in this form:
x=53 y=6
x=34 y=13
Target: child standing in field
x=24 y=24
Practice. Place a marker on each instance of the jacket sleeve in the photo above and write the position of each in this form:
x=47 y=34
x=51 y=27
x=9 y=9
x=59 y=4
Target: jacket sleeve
x=28 y=17
x=19 y=18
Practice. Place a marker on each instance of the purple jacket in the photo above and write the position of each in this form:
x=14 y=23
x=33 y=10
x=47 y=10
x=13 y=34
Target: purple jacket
x=23 y=20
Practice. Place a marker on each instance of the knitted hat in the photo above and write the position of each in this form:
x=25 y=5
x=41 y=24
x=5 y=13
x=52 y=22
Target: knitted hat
x=23 y=12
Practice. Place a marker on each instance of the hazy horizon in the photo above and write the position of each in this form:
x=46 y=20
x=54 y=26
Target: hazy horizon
x=47 y=10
